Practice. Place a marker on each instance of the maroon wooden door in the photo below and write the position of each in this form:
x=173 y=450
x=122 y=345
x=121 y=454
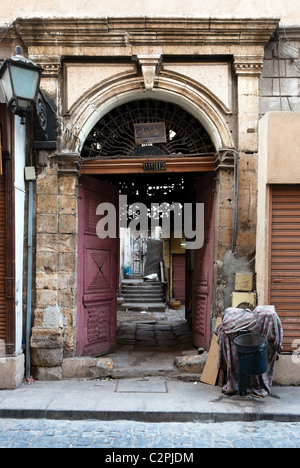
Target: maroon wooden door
x=179 y=277
x=97 y=272
x=203 y=267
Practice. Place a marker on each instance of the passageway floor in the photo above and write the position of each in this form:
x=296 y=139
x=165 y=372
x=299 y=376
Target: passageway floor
x=149 y=347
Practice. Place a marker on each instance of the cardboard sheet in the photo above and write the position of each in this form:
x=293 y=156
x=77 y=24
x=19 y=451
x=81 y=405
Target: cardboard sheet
x=211 y=369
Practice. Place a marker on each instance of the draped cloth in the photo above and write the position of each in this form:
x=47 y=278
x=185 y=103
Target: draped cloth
x=263 y=320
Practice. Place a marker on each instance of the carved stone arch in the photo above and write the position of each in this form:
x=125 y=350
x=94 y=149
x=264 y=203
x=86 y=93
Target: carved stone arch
x=102 y=99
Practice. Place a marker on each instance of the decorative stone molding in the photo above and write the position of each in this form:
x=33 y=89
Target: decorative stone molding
x=248 y=65
x=225 y=158
x=150 y=66
x=87 y=113
x=68 y=163
x=51 y=65
x=129 y=32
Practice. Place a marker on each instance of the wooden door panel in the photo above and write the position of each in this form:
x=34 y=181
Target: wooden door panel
x=203 y=267
x=97 y=273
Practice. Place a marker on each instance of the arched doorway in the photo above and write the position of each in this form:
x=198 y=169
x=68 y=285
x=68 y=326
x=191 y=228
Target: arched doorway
x=114 y=134
x=115 y=156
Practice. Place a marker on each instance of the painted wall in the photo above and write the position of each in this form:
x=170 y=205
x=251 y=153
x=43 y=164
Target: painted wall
x=278 y=163
x=20 y=135
x=288 y=11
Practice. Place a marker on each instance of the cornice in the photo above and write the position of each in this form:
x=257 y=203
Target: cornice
x=140 y=31
x=248 y=65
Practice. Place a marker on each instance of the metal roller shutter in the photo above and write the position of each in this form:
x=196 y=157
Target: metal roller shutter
x=285 y=259
x=2 y=260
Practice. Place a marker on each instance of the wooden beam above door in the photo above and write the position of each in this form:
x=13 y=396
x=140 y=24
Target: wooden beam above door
x=136 y=166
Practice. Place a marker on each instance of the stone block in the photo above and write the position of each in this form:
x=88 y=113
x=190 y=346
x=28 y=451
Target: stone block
x=47 y=185
x=66 y=280
x=46 y=298
x=47 y=338
x=87 y=368
x=69 y=334
x=67 y=185
x=41 y=357
x=287 y=370
x=47 y=373
x=270 y=68
x=244 y=281
x=67 y=243
x=240 y=297
x=273 y=104
x=68 y=318
x=192 y=364
x=67 y=262
x=52 y=317
x=46 y=204
x=67 y=224
x=11 y=372
x=46 y=242
x=286 y=87
x=67 y=204
x=295 y=104
x=265 y=86
x=46 y=223
x=46 y=280
x=46 y=262
x=67 y=299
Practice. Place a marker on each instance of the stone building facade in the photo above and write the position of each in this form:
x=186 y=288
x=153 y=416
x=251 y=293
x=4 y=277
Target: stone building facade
x=224 y=73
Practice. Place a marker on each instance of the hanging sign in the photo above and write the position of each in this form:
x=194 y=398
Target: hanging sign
x=150 y=133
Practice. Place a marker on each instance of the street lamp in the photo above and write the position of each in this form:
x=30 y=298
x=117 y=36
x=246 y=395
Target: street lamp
x=20 y=79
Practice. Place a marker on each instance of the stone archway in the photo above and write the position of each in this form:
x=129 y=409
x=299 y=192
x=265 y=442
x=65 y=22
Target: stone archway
x=101 y=99
x=114 y=134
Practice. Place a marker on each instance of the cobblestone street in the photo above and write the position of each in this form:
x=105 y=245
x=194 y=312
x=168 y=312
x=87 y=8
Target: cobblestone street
x=42 y=433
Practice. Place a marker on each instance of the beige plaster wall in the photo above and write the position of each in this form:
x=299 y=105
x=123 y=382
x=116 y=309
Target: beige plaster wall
x=278 y=163
x=283 y=148
x=288 y=10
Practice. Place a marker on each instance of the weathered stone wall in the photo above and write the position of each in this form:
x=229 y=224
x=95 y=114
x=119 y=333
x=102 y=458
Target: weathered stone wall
x=279 y=84
x=53 y=333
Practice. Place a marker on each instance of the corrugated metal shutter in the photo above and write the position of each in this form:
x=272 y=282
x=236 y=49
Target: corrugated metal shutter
x=2 y=260
x=285 y=259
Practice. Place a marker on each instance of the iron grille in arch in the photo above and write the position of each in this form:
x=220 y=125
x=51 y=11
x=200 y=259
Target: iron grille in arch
x=113 y=136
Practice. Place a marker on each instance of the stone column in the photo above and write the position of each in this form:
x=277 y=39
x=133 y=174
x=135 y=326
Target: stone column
x=248 y=69
x=53 y=333
x=68 y=169
x=236 y=254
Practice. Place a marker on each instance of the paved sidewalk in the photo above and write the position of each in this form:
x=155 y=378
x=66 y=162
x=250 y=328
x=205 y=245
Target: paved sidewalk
x=146 y=399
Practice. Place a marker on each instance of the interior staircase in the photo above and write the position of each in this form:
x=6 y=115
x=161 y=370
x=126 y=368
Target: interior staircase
x=139 y=295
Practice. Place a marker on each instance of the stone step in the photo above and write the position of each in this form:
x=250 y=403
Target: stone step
x=141 y=288
x=144 y=300
x=148 y=307
x=123 y=366
x=142 y=295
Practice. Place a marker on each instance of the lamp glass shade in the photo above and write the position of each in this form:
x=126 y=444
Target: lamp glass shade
x=6 y=83
x=25 y=82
